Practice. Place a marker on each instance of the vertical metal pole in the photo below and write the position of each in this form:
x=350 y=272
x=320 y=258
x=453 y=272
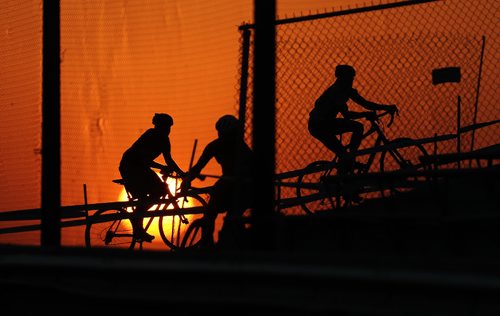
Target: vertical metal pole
x=244 y=75
x=193 y=153
x=459 y=134
x=474 y=119
x=51 y=134
x=264 y=122
x=85 y=201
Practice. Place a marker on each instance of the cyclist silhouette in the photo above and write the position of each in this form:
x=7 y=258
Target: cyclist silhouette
x=232 y=193
x=135 y=168
x=325 y=124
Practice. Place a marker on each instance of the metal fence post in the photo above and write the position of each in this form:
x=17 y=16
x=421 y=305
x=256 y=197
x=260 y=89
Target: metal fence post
x=51 y=125
x=264 y=122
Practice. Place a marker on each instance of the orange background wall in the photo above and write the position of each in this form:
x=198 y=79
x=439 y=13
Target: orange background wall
x=121 y=61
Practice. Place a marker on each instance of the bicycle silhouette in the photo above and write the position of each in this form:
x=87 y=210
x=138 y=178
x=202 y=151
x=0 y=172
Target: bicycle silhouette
x=192 y=238
x=321 y=188
x=111 y=228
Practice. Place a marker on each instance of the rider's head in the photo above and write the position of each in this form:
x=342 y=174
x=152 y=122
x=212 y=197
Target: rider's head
x=345 y=72
x=228 y=126
x=162 y=120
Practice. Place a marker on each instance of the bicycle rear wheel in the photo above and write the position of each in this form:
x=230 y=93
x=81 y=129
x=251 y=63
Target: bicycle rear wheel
x=314 y=193
x=106 y=229
x=173 y=227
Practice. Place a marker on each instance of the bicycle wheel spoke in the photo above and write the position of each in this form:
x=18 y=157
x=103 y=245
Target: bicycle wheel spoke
x=405 y=155
x=173 y=227
x=110 y=233
x=314 y=194
x=193 y=235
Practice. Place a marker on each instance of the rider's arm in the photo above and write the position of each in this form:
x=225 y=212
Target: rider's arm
x=154 y=164
x=207 y=154
x=172 y=165
x=352 y=115
x=369 y=105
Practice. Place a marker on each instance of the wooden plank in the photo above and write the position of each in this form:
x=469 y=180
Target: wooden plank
x=35 y=214
x=37 y=227
x=303 y=185
x=75 y=211
x=488 y=153
x=472 y=127
x=304 y=171
x=107 y=217
x=295 y=201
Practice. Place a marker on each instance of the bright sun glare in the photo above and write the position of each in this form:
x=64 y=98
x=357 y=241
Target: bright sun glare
x=173 y=184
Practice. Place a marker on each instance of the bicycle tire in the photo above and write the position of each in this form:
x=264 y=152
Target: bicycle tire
x=315 y=194
x=193 y=234
x=104 y=231
x=410 y=160
x=410 y=153
x=172 y=228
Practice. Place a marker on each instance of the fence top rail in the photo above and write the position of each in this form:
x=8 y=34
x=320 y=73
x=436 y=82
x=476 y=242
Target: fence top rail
x=342 y=12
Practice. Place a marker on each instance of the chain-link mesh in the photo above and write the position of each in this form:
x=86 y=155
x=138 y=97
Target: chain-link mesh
x=394 y=52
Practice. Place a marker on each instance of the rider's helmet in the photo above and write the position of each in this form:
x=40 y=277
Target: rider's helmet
x=344 y=71
x=162 y=120
x=228 y=125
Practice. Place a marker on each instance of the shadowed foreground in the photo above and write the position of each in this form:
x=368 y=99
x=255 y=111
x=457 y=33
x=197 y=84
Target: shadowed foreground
x=430 y=252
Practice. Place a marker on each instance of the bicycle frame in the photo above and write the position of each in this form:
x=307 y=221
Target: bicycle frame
x=105 y=228
x=381 y=140
x=316 y=192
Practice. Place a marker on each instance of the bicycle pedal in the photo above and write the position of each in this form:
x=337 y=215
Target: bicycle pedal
x=184 y=219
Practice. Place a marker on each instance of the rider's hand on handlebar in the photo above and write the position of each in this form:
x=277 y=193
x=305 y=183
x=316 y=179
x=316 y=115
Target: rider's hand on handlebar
x=371 y=116
x=393 y=109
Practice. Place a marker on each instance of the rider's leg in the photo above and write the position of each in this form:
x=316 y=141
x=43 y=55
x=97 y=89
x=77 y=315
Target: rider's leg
x=233 y=233
x=215 y=205
x=144 y=185
x=356 y=129
x=207 y=233
x=156 y=189
x=326 y=133
x=137 y=217
x=137 y=223
x=356 y=136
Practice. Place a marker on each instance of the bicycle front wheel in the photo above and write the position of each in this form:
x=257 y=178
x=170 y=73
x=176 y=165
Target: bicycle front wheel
x=106 y=229
x=314 y=194
x=173 y=227
x=406 y=156
x=193 y=234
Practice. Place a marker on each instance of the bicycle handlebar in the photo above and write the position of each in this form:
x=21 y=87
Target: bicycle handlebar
x=384 y=113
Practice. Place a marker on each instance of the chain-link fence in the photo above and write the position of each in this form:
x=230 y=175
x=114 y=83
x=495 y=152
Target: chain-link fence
x=394 y=48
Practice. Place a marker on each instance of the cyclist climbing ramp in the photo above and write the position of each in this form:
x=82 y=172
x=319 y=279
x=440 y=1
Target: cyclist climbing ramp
x=394 y=56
